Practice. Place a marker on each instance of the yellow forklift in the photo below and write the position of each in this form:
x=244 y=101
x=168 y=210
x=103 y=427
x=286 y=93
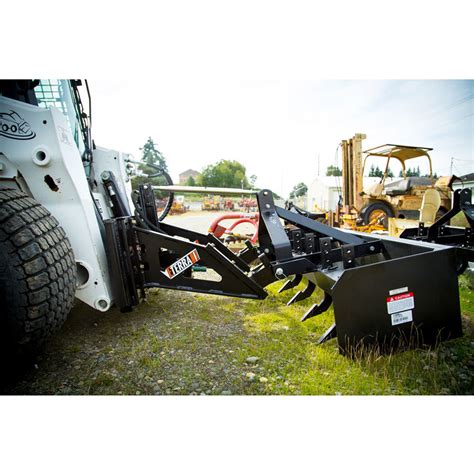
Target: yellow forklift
x=370 y=209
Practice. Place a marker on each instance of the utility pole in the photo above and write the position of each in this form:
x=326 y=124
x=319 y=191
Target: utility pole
x=451 y=167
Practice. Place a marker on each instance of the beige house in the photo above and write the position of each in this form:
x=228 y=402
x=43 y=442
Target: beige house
x=184 y=176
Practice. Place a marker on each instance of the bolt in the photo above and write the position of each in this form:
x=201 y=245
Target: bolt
x=267 y=206
x=371 y=248
x=267 y=250
x=265 y=193
x=279 y=272
x=105 y=175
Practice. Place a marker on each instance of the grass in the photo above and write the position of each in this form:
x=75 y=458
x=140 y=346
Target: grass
x=295 y=365
x=182 y=343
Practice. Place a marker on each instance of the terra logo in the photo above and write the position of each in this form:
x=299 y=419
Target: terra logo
x=13 y=126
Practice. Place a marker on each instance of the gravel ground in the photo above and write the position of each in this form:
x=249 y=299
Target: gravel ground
x=160 y=348
x=199 y=221
x=99 y=353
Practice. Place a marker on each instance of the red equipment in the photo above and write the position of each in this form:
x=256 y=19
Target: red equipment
x=239 y=218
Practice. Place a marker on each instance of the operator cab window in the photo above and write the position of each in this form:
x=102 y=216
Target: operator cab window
x=57 y=93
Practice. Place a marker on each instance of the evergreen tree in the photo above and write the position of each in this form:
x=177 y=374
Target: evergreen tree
x=375 y=171
x=150 y=156
x=333 y=171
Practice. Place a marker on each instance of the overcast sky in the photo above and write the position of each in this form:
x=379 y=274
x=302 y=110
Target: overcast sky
x=277 y=129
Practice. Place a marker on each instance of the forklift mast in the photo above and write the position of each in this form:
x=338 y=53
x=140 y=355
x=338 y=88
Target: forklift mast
x=352 y=175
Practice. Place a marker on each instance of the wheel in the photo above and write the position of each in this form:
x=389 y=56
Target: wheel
x=37 y=273
x=377 y=213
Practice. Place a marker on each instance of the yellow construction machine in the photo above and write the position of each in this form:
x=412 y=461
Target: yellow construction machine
x=212 y=203
x=370 y=209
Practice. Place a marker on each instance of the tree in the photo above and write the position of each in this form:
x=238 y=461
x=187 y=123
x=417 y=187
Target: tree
x=333 y=171
x=411 y=172
x=226 y=174
x=191 y=181
x=150 y=156
x=299 y=190
x=375 y=171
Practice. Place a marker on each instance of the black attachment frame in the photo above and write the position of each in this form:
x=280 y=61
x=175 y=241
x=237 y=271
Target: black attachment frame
x=442 y=233
x=145 y=252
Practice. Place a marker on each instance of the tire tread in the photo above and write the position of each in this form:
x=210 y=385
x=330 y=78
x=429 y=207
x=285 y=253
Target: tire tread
x=41 y=259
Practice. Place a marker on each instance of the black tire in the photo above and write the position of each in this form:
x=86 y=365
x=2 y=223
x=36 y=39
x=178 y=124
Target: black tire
x=37 y=273
x=379 y=206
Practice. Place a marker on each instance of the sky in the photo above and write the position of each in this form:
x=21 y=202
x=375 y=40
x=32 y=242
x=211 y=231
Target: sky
x=280 y=130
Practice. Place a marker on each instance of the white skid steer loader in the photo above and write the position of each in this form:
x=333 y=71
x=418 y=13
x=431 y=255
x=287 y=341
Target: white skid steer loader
x=71 y=227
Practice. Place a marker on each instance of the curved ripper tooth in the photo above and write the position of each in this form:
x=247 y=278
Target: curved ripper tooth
x=295 y=281
x=286 y=286
x=330 y=333
x=303 y=294
x=318 y=308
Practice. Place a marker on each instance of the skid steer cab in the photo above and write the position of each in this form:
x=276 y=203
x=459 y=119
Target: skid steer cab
x=70 y=226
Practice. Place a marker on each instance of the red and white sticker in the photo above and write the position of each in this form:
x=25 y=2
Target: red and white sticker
x=182 y=264
x=400 y=303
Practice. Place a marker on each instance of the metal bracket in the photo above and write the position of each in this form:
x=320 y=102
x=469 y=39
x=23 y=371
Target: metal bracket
x=272 y=237
x=348 y=256
x=325 y=249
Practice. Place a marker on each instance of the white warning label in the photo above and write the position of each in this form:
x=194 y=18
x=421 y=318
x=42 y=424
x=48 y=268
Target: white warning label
x=399 y=303
x=403 y=317
x=397 y=291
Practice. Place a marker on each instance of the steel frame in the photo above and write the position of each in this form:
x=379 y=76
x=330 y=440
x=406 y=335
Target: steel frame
x=356 y=272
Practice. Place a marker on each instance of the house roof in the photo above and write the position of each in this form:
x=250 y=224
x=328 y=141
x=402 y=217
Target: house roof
x=462 y=180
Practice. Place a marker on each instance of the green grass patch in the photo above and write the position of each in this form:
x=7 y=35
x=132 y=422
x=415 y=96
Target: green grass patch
x=183 y=343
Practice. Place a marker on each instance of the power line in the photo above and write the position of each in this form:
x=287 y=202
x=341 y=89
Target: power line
x=466 y=161
x=457 y=102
